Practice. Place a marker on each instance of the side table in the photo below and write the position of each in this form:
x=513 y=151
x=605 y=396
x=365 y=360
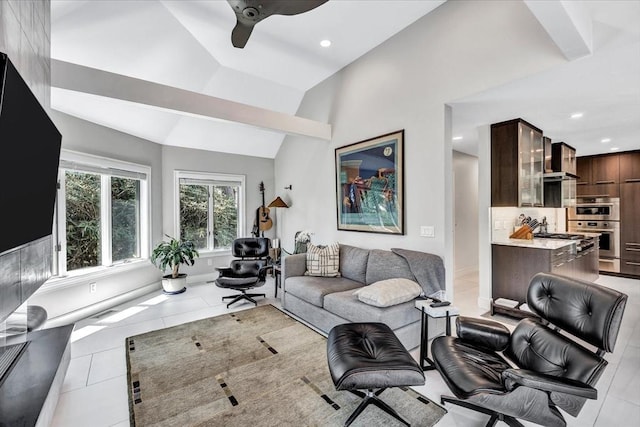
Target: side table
x=432 y=312
x=277 y=271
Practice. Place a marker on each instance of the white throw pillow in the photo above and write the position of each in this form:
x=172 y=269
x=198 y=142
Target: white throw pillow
x=386 y=293
x=323 y=261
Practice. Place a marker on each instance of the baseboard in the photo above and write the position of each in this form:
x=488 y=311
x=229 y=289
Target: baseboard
x=74 y=316
x=201 y=278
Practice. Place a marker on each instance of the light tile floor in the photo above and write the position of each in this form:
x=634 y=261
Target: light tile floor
x=95 y=391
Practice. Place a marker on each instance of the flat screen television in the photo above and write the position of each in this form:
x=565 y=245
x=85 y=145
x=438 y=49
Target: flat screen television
x=29 y=157
x=30 y=153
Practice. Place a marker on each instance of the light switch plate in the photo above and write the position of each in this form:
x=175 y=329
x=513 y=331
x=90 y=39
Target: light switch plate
x=427 y=231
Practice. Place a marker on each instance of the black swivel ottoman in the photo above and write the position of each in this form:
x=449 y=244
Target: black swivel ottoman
x=368 y=356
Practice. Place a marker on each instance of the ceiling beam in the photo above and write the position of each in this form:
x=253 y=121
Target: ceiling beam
x=79 y=78
x=568 y=23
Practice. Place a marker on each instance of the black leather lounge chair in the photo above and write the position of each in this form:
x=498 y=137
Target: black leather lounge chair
x=552 y=369
x=248 y=271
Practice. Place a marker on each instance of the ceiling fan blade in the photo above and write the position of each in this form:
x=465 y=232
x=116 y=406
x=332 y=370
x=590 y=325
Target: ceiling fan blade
x=250 y=12
x=240 y=34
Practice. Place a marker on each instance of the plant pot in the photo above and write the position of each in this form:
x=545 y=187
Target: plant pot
x=173 y=286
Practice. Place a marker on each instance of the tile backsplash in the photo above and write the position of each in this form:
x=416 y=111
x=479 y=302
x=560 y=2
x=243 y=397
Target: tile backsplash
x=503 y=220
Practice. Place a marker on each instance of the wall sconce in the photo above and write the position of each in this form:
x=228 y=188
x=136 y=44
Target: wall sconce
x=288 y=187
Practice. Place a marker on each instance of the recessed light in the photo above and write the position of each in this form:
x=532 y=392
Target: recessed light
x=576 y=115
x=325 y=43
x=605 y=140
x=456 y=138
x=615 y=148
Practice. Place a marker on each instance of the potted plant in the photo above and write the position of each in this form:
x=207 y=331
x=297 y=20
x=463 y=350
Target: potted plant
x=170 y=255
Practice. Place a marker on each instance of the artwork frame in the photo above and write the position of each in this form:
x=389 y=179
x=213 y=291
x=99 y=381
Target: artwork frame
x=370 y=185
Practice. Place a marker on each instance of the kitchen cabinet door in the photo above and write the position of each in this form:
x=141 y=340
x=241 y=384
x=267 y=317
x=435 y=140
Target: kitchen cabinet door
x=517 y=164
x=630 y=228
x=630 y=167
x=605 y=169
x=583 y=170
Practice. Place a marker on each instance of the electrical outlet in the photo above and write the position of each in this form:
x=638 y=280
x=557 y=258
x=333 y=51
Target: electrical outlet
x=427 y=231
x=209 y=262
x=93 y=287
x=497 y=225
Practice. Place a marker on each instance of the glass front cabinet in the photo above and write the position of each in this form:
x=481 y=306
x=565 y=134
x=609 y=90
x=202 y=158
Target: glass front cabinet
x=517 y=164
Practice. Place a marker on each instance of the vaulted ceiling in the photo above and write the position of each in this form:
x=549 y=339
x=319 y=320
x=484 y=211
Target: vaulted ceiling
x=184 y=46
x=187 y=45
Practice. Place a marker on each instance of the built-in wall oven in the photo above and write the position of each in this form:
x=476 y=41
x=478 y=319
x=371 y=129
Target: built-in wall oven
x=599 y=215
x=596 y=209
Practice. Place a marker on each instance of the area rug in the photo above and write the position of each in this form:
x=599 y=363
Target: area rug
x=257 y=367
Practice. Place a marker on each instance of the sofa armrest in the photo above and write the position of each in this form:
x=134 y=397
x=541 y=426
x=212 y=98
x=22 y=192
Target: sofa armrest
x=550 y=383
x=483 y=333
x=294 y=265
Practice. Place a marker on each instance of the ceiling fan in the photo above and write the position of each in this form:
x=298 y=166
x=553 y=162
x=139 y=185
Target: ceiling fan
x=250 y=12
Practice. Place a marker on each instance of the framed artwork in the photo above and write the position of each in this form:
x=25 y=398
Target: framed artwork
x=370 y=185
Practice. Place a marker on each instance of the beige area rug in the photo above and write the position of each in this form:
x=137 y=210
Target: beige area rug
x=257 y=367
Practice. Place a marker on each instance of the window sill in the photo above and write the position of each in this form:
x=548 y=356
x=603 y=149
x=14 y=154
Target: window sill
x=214 y=253
x=75 y=278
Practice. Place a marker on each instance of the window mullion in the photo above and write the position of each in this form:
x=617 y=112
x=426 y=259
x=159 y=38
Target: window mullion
x=105 y=219
x=210 y=222
x=61 y=226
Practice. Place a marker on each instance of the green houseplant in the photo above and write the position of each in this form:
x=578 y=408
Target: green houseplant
x=171 y=254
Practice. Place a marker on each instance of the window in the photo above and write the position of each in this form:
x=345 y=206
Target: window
x=209 y=209
x=102 y=213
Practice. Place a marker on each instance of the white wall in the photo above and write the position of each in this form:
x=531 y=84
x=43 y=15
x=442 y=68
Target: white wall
x=255 y=169
x=90 y=138
x=465 y=185
x=461 y=48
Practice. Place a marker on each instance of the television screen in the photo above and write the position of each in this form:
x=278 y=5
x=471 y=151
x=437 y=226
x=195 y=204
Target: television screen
x=30 y=147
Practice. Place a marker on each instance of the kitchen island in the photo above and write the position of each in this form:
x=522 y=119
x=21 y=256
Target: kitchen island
x=515 y=262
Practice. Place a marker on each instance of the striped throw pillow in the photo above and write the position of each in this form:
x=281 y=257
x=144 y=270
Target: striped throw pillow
x=323 y=261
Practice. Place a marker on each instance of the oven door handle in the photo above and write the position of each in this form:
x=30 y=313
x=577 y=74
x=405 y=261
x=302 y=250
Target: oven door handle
x=589 y=230
x=592 y=205
x=612 y=261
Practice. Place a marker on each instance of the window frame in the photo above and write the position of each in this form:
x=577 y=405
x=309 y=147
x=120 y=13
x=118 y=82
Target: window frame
x=210 y=178
x=105 y=168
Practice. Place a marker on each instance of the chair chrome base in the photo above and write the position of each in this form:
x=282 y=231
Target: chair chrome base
x=495 y=416
x=372 y=398
x=243 y=296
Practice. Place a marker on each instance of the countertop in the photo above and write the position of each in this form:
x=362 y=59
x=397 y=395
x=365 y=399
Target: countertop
x=540 y=243
x=549 y=244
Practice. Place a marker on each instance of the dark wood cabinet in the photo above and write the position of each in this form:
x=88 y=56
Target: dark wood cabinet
x=630 y=166
x=605 y=169
x=514 y=266
x=630 y=228
x=583 y=170
x=599 y=176
x=517 y=164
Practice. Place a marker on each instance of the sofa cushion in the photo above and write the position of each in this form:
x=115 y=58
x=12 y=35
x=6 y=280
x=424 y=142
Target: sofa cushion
x=313 y=289
x=323 y=261
x=353 y=263
x=386 y=293
x=383 y=265
x=347 y=306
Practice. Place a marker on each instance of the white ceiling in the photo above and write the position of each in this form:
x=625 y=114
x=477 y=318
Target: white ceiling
x=186 y=45
x=604 y=86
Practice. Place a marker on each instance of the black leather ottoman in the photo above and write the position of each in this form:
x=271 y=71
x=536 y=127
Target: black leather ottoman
x=368 y=356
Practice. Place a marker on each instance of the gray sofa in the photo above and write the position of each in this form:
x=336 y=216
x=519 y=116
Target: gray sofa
x=328 y=301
